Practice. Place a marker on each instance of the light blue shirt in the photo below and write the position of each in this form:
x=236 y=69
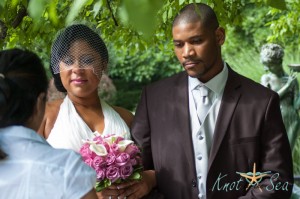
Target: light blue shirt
x=202 y=134
x=35 y=170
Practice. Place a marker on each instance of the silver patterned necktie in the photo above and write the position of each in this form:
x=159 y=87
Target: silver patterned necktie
x=204 y=102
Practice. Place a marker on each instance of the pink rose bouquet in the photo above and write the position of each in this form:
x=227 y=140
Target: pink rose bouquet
x=114 y=159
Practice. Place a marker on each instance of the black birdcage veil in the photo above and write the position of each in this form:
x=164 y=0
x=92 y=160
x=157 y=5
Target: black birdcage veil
x=78 y=38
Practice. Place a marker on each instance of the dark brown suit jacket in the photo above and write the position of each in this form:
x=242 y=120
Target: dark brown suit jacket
x=249 y=129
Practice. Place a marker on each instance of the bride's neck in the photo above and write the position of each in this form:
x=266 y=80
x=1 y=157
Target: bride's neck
x=91 y=101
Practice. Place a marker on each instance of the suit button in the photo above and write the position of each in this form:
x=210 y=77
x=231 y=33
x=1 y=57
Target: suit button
x=194 y=183
x=199 y=157
x=200 y=136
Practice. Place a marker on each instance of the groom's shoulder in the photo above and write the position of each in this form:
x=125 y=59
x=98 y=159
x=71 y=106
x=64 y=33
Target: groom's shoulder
x=166 y=83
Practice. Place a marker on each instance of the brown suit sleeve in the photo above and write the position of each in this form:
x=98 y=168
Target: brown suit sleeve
x=141 y=132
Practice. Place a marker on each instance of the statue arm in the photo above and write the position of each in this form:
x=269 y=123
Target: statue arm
x=283 y=90
x=296 y=96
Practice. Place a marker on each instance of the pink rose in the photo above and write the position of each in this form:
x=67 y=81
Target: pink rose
x=100 y=174
x=139 y=160
x=112 y=173
x=85 y=151
x=99 y=162
x=110 y=158
x=122 y=159
x=132 y=150
x=114 y=148
x=98 y=139
x=89 y=162
x=126 y=171
x=107 y=146
x=133 y=161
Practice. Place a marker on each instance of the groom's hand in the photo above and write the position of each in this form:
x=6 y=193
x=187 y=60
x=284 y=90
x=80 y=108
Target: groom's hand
x=138 y=189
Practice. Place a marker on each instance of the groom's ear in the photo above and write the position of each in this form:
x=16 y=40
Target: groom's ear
x=220 y=35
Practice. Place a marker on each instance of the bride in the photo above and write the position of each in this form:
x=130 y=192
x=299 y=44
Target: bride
x=78 y=59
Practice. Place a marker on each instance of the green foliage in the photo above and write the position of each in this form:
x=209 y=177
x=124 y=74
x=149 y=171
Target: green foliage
x=285 y=27
x=296 y=157
x=77 y=5
x=142 y=23
x=100 y=185
x=279 y=4
x=145 y=66
x=36 y=9
x=128 y=93
x=133 y=13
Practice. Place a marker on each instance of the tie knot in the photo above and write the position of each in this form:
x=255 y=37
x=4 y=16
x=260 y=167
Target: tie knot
x=203 y=91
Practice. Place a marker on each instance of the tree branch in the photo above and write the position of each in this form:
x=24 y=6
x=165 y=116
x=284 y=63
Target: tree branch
x=22 y=12
x=112 y=14
x=3 y=30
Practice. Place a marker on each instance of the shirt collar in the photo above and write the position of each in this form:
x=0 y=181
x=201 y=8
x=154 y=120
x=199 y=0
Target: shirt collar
x=216 y=84
x=22 y=132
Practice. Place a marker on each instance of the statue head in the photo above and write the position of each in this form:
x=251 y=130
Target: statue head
x=271 y=56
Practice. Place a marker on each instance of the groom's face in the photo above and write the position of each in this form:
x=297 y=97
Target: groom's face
x=198 y=49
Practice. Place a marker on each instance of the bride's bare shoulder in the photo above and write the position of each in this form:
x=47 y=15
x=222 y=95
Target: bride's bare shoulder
x=125 y=114
x=51 y=112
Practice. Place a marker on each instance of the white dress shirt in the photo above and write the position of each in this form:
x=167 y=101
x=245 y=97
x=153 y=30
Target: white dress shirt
x=202 y=134
x=35 y=170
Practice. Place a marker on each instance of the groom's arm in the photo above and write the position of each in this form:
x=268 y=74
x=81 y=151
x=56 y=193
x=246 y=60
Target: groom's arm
x=141 y=131
x=275 y=156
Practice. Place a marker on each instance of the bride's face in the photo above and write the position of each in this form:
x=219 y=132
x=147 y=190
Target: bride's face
x=81 y=69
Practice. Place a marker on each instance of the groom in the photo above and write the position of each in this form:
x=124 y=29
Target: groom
x=238 y=149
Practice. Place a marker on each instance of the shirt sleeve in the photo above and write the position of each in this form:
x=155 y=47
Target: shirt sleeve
x=79 y=177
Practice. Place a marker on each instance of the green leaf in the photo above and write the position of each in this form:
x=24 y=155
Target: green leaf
x=89 y=2
x=141 y=14
x=102 y=184
x=2 y=4
x=279 y=4
x=136 y=176
x=36 y=9
x=14 y=3
x=52 y=12
x=97 y=7
x=75 y=9
x=181 y=2
x=170 y=13
x=164 y=16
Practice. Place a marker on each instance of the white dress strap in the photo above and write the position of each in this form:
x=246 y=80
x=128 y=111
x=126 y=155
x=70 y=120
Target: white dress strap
x=114 y=124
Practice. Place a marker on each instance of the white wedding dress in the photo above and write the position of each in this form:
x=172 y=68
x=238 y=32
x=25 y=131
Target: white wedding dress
x=70 y=130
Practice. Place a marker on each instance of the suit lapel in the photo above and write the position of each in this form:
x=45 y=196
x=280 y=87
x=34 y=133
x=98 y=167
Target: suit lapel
x=230 y=99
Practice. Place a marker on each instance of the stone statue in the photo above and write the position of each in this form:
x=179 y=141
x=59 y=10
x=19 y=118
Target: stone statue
x=285 y=85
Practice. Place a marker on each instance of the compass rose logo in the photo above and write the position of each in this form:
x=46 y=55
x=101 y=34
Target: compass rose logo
x=254 y=178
